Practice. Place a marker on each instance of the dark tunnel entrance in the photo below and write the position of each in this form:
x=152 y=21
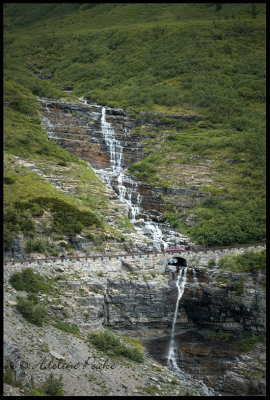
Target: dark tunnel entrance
x=177 y=261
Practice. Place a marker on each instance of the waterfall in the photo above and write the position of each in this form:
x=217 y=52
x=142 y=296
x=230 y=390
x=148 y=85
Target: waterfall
x=194 y=275
x=116 y=150
x=126 y=194
x=156 y=234
x=127 y=187
x=48 y=126
x=172 y=353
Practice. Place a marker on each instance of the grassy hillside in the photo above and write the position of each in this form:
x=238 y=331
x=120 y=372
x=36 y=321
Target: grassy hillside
x=205 y=59
x=32 y=205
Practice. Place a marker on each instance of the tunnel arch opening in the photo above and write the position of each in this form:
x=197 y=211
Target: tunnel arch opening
x=178 y=261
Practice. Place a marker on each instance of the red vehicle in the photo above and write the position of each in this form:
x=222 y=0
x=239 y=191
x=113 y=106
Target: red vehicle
x=174 y=250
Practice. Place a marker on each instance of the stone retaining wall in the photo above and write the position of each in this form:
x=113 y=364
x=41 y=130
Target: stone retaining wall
x=155 y=262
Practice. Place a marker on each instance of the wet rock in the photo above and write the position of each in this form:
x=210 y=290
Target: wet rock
x=233 y=383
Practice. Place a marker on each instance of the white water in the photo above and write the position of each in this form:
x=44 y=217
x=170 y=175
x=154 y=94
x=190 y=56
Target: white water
x=115 y=147
x=126 y=194
x=194 y=275
x=128 y=188
x=173 y=352
x=49 y=127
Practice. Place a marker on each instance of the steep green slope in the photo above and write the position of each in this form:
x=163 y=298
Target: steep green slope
x=32 y=205
x=205 y=58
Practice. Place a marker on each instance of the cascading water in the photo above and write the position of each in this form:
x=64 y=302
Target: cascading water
x=156 y=235
x=173 y=352
x=194 y=275
x=49 y=127
x=116 y=150
x=128 y=188
x=128 y=194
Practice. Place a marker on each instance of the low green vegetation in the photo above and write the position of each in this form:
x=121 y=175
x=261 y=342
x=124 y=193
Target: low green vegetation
x=221 y=280
x=248 y=261
x=24 y=136
x=32 y=309
x=146 y=169
x=57 y=214
x=238 y=287
x=69 y=328
x=30 y=281
x=152 y=390
x=9 y=375
x=37 y=245
x=217 y=336
x=125 y=225
x=67 y=218
x=211 y=263
x=247 y=341
x=203 y=63
x=110 y=344
x=51 y=387
x=243 y=343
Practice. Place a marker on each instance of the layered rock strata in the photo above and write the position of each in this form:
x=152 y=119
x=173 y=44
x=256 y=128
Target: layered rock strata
x=138 y=295
x=77 y=127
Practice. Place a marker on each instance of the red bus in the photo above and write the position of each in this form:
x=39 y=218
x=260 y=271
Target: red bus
x=174 y=250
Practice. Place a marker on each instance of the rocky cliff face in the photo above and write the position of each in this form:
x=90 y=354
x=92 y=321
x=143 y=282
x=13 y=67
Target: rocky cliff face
x=139 y=297
x=77 y=128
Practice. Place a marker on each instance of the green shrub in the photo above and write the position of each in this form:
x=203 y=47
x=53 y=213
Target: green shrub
x=20 y=98
x=29 y=281
x=246 y=262
x=65 y=314
x=53 y=386
x=211 y=263
x=8 y=180
x=112 y=345
x=152 y=390
x=145 y=169
x=246 y=343
x=217 y=337
x=9 y=375
x=31 y=310
x=67 y=218
x=18 y=220
x=38 y=245
x=35 y=392
x=64 y=326
x=238 y=287
x=8 y=238
x=154 y=76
